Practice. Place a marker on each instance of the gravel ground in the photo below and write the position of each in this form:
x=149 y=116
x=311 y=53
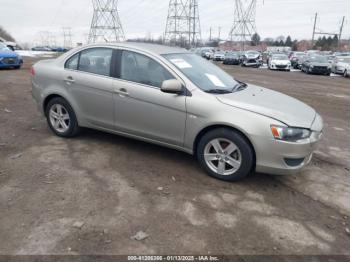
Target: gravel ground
x=92 y=194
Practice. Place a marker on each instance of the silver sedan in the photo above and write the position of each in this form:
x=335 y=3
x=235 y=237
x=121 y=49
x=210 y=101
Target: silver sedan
x=174 y=98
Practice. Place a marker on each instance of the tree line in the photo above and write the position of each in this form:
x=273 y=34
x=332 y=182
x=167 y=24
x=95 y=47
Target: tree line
x=323 y=43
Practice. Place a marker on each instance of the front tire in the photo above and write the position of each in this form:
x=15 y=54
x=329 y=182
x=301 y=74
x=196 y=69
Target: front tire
x=61 y=118
x=225 y=154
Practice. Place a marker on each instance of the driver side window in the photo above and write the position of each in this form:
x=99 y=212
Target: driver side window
x=143 y=70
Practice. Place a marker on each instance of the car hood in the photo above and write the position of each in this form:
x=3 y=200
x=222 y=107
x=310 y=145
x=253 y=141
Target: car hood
x=320 y=64
x=252 y=56
x=8 y=54
x=281 y=62
x=346 y=65
x=272 y=104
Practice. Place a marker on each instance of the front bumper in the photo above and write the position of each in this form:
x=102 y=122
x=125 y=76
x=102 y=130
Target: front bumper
x=285 y=158
x=320 y=70
x=10 y=62
x=280 y=67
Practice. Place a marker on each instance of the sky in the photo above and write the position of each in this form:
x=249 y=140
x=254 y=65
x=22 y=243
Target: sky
x=24 y=19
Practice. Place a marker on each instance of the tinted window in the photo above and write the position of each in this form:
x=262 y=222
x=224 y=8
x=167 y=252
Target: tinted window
x=96 y=61
x=142 y=69
x=72 y=63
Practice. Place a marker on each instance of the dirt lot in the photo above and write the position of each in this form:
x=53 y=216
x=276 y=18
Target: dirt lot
x=91 y=194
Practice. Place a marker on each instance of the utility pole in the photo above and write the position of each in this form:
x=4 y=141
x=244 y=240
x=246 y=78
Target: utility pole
x=341 y=32
x=106 y=25
x=210 y=34
x=314 y=31
x=219 y=33
x=320 y=32
x=183 y=24
x=244 y=25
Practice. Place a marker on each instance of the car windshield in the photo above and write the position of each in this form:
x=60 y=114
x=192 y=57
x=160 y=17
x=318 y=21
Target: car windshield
x=204 y=74
x=345 y=60
x=318 y=59
x=280 y=57
x=4 y=47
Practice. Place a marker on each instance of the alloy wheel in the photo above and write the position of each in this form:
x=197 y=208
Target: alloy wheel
x=59 y=118
x=222 y=156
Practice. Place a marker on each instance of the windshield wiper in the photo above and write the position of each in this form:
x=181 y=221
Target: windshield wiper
x=239 y=86
x=218 y=91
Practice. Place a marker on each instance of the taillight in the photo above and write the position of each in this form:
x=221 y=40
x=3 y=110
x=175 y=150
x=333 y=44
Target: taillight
x=32 y=71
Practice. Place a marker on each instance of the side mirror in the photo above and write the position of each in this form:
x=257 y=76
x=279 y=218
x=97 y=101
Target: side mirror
x=172 y=86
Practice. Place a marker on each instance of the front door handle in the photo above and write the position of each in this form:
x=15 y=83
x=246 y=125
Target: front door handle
x=122 y=92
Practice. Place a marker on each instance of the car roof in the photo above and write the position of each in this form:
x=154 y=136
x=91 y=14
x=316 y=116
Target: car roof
x=157 y=49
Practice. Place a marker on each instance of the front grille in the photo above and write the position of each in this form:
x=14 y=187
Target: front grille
x=9 y=61
x=251 y=61
x=281 y=66
x=320 y=68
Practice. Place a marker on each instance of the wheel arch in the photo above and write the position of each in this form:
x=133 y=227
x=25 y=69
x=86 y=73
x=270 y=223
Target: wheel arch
x=218 y=126
x=48 y=99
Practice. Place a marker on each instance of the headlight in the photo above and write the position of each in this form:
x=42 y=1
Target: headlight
x=311 y=66
x=290 y=134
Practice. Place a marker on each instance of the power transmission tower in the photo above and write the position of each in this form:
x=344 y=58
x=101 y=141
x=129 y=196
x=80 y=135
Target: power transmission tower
x=244 y=22
x=183 y=24
x=106 y=25
x=317 y=31
x=45 y=38
x=67 y=37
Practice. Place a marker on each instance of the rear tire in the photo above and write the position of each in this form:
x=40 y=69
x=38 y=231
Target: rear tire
x=61 y=118
x=225 y=154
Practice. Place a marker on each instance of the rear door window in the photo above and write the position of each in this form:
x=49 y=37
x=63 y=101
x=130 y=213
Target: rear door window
x=96 y=61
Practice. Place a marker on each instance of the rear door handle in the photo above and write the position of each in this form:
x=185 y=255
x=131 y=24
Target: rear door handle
x=69 y=80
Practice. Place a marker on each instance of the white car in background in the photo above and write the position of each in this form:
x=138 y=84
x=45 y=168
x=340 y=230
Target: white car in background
x=279 y=62
x=341 y=65
x=219 y=56
x=209 y=55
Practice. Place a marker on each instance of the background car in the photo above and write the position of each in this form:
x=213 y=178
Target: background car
x=9 y=59
x=294 y=59
x=341 y=65
x=231 y=58
x=279 y=62
x=219 y=56
x=316 y=64
x=42 y=48
x=251 y=59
